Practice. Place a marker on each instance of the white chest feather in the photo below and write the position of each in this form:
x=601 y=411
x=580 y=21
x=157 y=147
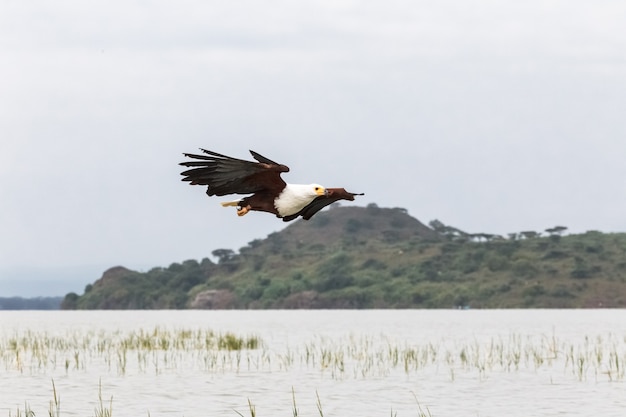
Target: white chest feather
x=294 y=198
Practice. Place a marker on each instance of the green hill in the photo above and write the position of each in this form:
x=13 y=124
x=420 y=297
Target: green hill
x=353 y=257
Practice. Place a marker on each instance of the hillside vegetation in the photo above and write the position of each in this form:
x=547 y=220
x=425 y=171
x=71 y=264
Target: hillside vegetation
x=353 y=257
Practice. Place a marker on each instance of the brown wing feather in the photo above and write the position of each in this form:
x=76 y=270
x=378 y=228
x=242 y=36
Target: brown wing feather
x=333 y=195
x=226 y=175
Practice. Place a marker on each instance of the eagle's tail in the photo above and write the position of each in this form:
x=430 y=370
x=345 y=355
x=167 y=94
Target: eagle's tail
x=230 y=203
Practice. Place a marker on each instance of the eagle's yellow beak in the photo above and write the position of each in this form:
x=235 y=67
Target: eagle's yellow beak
x=320 y=191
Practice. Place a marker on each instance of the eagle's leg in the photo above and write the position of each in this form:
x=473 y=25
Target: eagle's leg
x=242 y=211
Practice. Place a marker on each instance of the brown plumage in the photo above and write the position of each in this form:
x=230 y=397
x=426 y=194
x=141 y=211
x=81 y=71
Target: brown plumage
x=224 y=175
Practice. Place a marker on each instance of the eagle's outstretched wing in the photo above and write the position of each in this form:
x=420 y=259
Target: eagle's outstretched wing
x=225 y=175
x=333 y=195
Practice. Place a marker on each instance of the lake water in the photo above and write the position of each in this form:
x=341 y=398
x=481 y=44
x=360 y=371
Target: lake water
x=355 y=363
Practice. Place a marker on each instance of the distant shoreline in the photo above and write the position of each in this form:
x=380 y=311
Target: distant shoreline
x=30 y=303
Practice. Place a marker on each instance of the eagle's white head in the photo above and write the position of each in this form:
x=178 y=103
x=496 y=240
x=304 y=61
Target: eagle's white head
x=295 y=197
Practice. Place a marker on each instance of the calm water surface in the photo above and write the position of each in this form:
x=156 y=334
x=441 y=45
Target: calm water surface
x=360 y=363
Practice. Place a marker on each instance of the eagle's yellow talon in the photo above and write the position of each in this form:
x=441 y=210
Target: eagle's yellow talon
x=243 y=211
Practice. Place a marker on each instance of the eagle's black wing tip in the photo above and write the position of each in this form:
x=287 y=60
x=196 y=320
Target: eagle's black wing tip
x=264 y=160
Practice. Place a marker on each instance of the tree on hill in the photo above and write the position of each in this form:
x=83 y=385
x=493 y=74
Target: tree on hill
x=529 y=234
x=223 y=255
x=556 y=230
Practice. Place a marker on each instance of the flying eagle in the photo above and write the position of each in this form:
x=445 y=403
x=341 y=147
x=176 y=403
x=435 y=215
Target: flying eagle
x=225 y=175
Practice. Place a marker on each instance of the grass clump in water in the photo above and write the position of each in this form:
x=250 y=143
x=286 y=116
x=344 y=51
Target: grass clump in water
x=230 y=341
x=141 y=349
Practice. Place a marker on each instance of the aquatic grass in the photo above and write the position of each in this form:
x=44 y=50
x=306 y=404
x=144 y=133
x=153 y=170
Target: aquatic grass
x=366 y=357
x=101 y=410
x=294 y=408
x=30 y=352
x=55 y=404
x=293 y=399
x=318 y=403
x=251 y=408
x=603 y=354
x=104 y=408
x=27 y=412
x=54 y=409
x=158 y=350
x=421 y=412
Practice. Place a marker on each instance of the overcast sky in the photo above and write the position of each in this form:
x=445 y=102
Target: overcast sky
x=490 y=116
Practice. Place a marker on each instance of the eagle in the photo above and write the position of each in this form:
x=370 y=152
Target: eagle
x=224 y=175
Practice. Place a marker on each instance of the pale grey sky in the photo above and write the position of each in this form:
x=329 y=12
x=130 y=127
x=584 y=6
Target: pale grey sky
x=489 y=116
